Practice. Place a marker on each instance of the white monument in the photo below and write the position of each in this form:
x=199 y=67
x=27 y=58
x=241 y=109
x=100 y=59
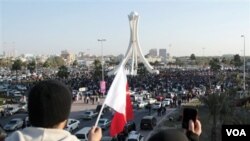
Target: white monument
x=134 y=50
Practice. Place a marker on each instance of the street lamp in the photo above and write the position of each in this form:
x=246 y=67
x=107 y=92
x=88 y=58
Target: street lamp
x=102 y=40
x=244 y=74
x=203 y=51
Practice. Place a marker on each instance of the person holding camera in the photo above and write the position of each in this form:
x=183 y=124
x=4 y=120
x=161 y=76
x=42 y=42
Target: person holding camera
x=191 y=126
x=191 y=134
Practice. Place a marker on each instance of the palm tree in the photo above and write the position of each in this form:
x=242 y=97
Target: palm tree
x=219 y=109
x=16 y=66
x=31 y=66
x=63 y=72
x=97 y=72
x=215 y=64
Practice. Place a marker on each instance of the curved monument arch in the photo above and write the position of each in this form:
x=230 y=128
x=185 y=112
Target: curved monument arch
x=134 y=50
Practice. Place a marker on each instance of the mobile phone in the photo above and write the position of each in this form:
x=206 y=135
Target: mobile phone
x=188 y=114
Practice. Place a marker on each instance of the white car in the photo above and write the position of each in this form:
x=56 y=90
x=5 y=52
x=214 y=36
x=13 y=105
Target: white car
x=13 y=124
x=72 y=124
x=89 y=114
x=151 y=100
x=12 y=110
x=135 y=136
x=167 y=102
x=156 y=105
x=104 y=123
x=141 y=104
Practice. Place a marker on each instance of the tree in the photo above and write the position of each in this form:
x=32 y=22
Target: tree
x=46 y=64
x=141 y=69
x=236 y=61
x=17 y=65
x=157 y=63
x=75 y=63
x=54 y=62
x=220 y=109
x=112 y=62
x=58 y=61
x=215 y=64
x=224 y=60
x=97 y=73
x=179 y=62
x=192 y=57
x=31 y=66
x=63 y=72
x=5 y=62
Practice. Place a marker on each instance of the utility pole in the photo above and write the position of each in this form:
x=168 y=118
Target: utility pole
x=244 y=73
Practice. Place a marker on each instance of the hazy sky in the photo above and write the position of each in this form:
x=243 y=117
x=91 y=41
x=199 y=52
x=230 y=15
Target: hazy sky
x=181 y=26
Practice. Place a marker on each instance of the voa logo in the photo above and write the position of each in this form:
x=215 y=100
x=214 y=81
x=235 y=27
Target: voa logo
x=236 y=132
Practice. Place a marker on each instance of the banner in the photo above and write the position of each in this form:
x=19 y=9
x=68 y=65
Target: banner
x=103 y=87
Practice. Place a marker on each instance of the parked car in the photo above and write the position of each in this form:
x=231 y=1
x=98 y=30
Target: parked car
x=156 y=106
x=141 y=104
x=82 y=134
x=167 y=102
x=11 y=110
x=89 y=114
x=151 y=100
x=105 y=109
x=104 y=123
x=135 y=136
x=23 y=108
x=72 y=124
x=13 y=124
x=130 y=126
x=148 y=122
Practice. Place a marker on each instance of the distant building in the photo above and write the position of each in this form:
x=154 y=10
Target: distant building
x=170 y=59
x=41 y=58
x=151 y=59
x=68 y=57
x=163 y=53
x=26 y=57
x=228 y=55
x=9 y=50
x=153 y=52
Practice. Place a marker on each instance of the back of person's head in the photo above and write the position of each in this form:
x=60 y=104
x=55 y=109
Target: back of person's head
x=168 y=135
x=49 y=104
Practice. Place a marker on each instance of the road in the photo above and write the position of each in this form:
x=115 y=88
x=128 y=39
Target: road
x=79 y=107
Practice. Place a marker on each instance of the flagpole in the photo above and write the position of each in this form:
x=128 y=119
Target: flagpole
x=100 y=113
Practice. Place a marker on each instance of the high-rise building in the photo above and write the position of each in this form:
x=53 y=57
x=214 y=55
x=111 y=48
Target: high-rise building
x=153 y=52
x=163 y=53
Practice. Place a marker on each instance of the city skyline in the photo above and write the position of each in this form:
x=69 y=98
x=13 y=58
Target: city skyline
x=183 y=27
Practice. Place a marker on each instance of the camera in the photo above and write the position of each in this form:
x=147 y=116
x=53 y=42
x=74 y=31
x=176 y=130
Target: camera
x=188 y=114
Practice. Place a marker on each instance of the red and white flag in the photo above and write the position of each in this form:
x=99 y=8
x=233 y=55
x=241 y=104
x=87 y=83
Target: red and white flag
x=118 y=98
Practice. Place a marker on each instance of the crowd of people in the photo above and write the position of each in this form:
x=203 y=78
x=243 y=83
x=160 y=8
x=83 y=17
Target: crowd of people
x=47 y=121
x=49 y=104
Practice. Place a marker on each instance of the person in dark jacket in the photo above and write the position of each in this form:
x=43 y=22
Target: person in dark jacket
x=192 y=134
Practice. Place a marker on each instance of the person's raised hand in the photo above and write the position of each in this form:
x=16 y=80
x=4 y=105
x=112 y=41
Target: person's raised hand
x=195 y=127
x=95 y=134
